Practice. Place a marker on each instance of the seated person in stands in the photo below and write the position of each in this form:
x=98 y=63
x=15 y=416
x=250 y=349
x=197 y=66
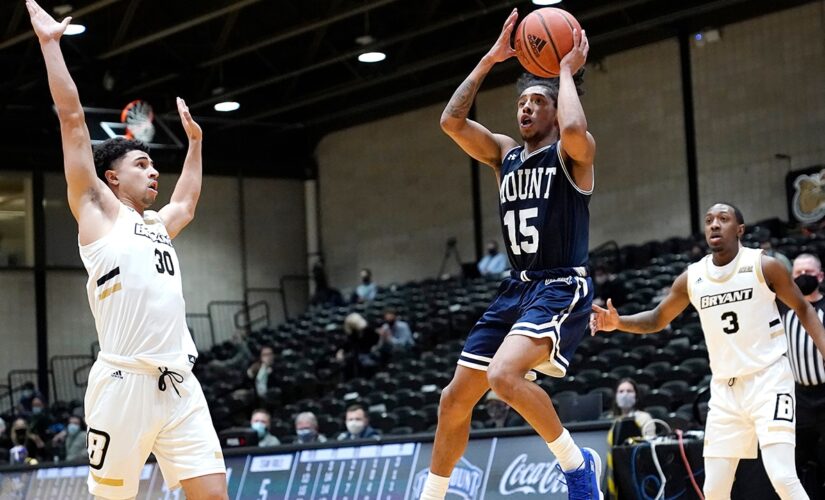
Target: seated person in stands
x=21 y=435
x=306 y=428
x=366 y=291
x=260 y=423
x=625 y=406
x=358 y=424
x=5 y=443
x=70 y=443
x=501 y=415
x=40 y=420
x=27 y=393
x=325 y=295
x=394 y=332
x=494 y=263
x=261 y=370
x=356 y=352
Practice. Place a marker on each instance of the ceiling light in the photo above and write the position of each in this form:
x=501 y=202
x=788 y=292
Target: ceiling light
x=546 y=2
x=227 y=106
x=372 y=57
x=74 y=29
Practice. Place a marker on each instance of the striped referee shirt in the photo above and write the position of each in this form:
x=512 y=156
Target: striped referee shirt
x=806 y=362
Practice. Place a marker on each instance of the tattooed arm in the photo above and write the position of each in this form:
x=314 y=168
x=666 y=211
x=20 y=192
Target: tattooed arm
x=475 y=139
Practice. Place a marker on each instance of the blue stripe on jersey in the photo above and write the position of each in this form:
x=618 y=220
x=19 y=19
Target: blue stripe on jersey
x=544 y=217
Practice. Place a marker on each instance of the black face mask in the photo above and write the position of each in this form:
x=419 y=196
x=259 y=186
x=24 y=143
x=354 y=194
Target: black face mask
x=20 y=434
x=491 y=251
x=807 y=284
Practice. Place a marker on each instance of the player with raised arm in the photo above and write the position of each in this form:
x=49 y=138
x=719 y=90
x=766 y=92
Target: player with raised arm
x=752 y=387
x=540 y=313
x=142 y=396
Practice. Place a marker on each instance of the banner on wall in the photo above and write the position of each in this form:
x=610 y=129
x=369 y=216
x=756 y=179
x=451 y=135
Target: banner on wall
x=805 y=190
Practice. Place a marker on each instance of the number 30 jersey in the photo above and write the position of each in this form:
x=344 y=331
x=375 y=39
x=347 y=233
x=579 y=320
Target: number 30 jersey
x=544 y=216
x=743 y=330
x=135 y=292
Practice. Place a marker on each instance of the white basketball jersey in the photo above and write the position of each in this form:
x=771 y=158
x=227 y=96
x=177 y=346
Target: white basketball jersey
x=741 y=322
x=135 y=292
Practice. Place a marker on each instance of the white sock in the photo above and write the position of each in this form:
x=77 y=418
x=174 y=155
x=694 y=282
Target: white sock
x=435 y=487
x=569 y=455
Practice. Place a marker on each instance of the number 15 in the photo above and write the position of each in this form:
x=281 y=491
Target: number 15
x=528 y=246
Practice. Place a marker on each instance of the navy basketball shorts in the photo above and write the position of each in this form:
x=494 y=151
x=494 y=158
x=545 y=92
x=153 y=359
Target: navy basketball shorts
x=558 y=309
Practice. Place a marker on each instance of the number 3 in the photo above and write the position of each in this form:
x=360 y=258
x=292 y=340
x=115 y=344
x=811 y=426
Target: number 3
x=733 y=327
x=526 y=230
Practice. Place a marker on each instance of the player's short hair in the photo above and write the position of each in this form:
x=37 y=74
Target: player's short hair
x=740 y=219
x=111 y=150
x=527 y=80
x=810 y=256
x=357 y=407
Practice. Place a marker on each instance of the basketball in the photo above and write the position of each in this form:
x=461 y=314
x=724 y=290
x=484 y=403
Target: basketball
x=543 y=38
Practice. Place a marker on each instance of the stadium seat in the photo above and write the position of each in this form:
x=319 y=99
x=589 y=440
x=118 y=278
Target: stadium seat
x=607 y=395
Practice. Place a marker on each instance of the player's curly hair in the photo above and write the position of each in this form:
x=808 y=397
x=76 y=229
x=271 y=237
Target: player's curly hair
x=527 y=80
x=111 y=150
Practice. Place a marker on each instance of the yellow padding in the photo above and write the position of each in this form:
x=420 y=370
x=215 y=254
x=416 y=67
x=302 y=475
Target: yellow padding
x=107 y=482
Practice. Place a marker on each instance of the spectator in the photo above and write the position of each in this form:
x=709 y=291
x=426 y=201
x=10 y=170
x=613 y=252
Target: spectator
x=260 y=423
x=625 y=405
x=324 y=294
x=27 y=393
x=40 y=421
x=306 y=428
x=494 y=263
x=500 y=413
x=5 y=443
x=261 y=370
x=30 y=447
x=358 y=425
x=366 y=291
x=70 y=443
x=356 y=352
x=394 y=332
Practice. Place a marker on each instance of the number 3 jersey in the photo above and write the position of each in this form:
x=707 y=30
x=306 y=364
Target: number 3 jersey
x=544 y=215
x=135 y=292
x=743 y=331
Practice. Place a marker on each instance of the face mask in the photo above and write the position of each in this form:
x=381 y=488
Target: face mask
x=355 y=427
x=72 y=429
x=625 y=400
x=305 y=435
x=365 y=280
x=807 y=284
x=37 y=410
x=27 y=393
x=260 y=428
x=491 y=251
x=20 y=436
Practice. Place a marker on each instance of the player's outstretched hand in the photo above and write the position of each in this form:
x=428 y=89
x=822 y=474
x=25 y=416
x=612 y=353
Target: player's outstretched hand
x=577 y=56
x=193 y=130
x=45 y=27
x=502 y=50
x=605 y=320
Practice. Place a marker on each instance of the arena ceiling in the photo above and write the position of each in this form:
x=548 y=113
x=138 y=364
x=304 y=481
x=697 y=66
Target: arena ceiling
x=291 y=64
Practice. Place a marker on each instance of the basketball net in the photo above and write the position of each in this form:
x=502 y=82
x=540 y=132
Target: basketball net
x=138 y=117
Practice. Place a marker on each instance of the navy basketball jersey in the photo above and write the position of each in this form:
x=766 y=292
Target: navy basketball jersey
x=544 y=215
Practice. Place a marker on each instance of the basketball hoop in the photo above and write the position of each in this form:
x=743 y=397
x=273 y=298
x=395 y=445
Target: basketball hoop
x=138 y=117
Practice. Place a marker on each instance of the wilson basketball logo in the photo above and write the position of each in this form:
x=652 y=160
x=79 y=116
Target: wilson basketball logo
x=536 y=43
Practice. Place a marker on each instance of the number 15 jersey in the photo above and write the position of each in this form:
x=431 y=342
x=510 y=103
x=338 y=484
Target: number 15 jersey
x=743 y=331
x=544 y=214
x=135 y=292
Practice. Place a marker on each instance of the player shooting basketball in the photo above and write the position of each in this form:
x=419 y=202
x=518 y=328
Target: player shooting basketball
x=540 y=313
x=142 y=396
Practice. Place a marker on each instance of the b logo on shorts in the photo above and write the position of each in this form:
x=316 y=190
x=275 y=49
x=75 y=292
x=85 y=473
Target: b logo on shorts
x=784 y=408
x=97 y=443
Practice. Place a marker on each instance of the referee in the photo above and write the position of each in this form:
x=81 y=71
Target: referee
x=809 y=372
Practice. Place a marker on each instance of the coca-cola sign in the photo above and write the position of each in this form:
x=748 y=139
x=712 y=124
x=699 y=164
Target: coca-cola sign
x=530 y=478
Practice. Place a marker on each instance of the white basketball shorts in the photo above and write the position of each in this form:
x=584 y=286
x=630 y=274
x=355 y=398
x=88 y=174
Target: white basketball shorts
x=757 y=408
x=129 y=416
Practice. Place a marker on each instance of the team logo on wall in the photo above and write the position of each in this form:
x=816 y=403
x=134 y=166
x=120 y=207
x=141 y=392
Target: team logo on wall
x=530 y=478
x=808 y=203
x=465 y=481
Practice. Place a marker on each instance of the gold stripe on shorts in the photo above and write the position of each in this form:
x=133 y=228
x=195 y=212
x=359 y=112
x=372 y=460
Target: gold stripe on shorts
x=778 y=333
x=107 y=482
x=110 y=291
x=218 y=455
x=777 y=428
